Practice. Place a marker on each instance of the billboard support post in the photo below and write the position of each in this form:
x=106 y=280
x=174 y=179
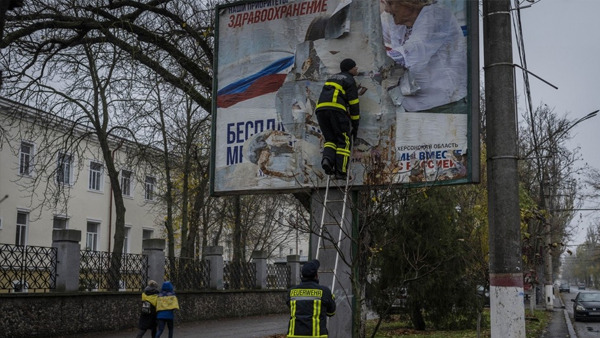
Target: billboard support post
x=339 y=325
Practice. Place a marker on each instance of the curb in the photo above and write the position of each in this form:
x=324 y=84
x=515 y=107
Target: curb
x=570 y=328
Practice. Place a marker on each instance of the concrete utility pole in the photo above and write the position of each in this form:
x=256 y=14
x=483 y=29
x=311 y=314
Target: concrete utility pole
x=506 y=277
x=548 y=287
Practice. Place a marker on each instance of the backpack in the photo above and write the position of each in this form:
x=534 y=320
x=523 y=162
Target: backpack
x=146 y=307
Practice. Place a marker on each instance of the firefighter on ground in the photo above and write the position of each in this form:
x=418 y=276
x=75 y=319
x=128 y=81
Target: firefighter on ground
x=337 y=111
x=310 y=304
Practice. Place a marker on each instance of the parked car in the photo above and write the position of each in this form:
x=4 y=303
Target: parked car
x=586 y=305
x=564 y=287
x=581 y=286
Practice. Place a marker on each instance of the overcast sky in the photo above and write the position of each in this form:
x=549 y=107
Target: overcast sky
x=562 y=46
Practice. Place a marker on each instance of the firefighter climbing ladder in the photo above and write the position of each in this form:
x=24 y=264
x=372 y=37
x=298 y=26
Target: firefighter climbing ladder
x=332 y=224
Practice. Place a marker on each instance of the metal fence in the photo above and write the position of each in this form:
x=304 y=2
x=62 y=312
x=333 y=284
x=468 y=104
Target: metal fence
x=278 y=276
x=103 y=271
x=188 y=273
x=27 y=268
x=239 y=276
x=33 y=269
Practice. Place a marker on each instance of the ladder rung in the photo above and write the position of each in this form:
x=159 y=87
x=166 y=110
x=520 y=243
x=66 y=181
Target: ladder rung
x=331 y=223
x=328 y=246
x=329 y=229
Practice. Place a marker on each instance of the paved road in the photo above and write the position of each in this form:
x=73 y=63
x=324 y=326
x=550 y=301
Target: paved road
x=246 y=327
x=582 y=329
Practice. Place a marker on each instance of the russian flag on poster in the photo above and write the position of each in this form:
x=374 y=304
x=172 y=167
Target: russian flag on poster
x=265 y=81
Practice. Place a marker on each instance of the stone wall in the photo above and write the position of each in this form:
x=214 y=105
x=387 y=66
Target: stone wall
x=66 y=311
x=56 y=314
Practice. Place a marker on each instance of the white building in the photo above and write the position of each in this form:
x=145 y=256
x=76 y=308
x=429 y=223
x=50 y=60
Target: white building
x=49 y=182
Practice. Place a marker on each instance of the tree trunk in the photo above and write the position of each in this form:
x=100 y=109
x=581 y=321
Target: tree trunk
x=119 y=236
x=237 y=230
x=416 y=317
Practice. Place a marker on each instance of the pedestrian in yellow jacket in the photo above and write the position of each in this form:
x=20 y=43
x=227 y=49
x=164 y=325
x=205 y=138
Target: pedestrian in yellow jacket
x=148 y=313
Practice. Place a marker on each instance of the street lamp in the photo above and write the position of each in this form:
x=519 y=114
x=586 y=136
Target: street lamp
x=576 y=122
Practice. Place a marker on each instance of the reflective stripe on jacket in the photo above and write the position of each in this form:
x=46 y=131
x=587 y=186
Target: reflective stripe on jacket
x=340 y=93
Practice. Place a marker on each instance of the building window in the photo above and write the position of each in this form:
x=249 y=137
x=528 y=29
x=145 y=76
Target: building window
x=59 y=223
x=96 y=174
x=26 y=159
x=126 y=176
x=150 y=182
x=126 y=240
x=91 y=239
x=22 y=224
x=65 y=169
x=147 y=234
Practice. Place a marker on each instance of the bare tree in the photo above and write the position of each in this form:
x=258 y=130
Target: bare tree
x=264 y=223
x=548 y=172
x=180 y=129
x=172 y=38
x=586 y=266
x=92 y=98
x=79 y=59
x=593 y=180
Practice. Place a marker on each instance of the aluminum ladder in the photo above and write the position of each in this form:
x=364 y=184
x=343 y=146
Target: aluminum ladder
x=332 y=224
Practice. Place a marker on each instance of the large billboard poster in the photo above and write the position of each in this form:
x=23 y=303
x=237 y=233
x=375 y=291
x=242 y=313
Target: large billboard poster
x=418 y=92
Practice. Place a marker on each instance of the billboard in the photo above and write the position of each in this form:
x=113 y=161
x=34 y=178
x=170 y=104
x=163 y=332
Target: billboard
x=418 y=84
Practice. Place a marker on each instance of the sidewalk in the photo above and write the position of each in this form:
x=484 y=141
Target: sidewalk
x=560 y=325
x=272 y=326
x=245 y=327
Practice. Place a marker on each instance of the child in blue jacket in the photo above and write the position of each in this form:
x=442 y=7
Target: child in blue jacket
x=166 y=303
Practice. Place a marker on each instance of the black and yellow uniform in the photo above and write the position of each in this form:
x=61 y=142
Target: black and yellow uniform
x=338 y=110
x=310 y=305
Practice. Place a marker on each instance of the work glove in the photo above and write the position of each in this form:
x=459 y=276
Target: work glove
x=354 y=131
